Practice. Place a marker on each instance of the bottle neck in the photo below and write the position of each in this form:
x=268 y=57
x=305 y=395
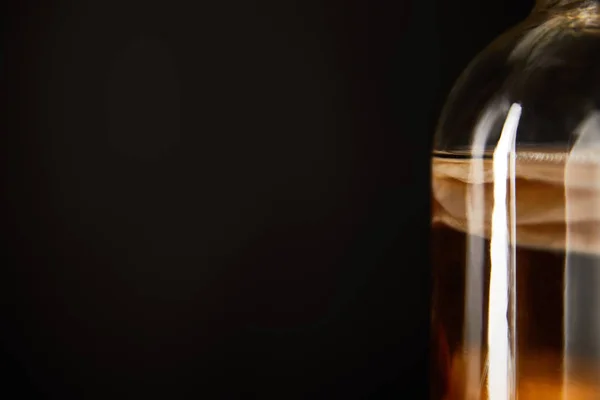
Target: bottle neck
x=548 y=4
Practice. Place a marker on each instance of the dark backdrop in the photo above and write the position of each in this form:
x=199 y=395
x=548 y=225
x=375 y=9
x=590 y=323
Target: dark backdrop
x=223 y=199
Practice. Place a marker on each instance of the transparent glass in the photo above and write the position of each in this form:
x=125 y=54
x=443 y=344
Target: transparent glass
x=516 y=215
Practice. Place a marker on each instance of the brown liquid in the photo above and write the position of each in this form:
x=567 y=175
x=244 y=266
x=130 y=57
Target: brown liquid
x=553 y=284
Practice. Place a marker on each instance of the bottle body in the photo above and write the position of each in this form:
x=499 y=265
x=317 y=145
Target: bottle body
x=516 y=217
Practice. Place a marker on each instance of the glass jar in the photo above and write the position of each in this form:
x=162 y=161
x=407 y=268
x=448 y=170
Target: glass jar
x=516 y=215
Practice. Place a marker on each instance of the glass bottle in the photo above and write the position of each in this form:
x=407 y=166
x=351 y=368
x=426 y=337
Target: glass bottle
x=516 y=215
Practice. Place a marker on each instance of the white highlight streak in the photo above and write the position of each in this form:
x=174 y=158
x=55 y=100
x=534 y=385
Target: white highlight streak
x=500 y=374
x=476 y=220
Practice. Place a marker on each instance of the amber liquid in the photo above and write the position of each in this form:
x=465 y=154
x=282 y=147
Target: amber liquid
x=552 y=312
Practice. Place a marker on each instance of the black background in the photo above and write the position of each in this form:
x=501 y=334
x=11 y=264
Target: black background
x=223 y=199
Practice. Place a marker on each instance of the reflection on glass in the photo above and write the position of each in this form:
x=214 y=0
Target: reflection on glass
x=516 y=216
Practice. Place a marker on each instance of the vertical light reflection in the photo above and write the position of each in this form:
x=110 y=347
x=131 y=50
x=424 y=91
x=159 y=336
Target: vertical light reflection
x=475 y=265
x=474 y=303
x=581 y=324
x=500 y=378
x=513 y=250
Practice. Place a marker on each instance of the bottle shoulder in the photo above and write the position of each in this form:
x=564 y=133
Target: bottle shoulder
x=548 y=64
